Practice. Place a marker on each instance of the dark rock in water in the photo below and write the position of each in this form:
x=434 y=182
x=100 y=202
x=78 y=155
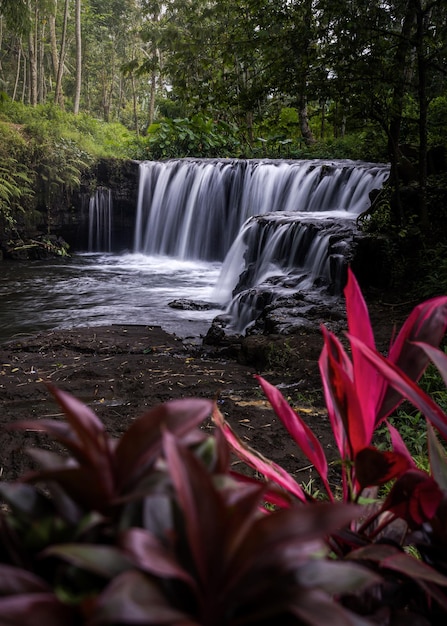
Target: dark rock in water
x=189 y=305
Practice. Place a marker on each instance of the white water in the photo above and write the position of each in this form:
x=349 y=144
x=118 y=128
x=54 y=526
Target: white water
x=194 y=209
x=97 y=289
x=100 y=218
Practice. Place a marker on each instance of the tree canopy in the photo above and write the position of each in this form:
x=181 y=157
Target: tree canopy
x=277 y=70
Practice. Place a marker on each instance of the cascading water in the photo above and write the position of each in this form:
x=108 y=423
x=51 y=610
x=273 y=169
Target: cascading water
x=280 y=227
x=100 y=221
x=194 y=209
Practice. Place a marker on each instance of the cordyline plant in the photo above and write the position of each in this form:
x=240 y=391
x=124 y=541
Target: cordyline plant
x=361 y=392
x=155 y=528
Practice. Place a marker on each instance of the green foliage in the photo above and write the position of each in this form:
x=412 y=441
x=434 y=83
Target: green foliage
x=15 y=180
x=198 y=137
x=437 y=121
x=43 y=154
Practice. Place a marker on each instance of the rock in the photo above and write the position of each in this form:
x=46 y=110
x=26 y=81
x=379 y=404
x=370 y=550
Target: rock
x=189 y=305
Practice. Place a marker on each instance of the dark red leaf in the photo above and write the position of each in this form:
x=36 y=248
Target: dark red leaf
x=298 y=429
x=254 y=459
x=373 y=467
x=415 y=498
x=106 y=561
x=14 y=580
x=393 y=558
x=202 y=506
x=141 y=444
x=133 y=598
x=147 y=552
x=35 y=608
x=280 y=542
x=427 y=323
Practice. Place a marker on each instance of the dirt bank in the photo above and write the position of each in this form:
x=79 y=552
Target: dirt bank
x=121 y=371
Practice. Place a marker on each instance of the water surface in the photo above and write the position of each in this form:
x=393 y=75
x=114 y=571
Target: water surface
x=103 y=289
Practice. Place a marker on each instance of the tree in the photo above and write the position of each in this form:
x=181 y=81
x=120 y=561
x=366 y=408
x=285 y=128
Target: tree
x=58 y=96
x=78 y=86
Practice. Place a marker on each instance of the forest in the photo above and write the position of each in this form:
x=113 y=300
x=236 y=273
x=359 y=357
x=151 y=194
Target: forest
x=144 y=79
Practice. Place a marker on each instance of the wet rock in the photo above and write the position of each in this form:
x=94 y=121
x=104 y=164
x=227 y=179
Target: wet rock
x=189 y=305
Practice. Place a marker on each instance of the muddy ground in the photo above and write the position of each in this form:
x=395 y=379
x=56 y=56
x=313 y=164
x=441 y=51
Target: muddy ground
x=122 y=371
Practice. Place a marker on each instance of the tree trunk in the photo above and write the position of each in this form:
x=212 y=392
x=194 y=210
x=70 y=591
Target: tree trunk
x=77 y=97
x=400 y=63
x=135 y=109
x=17 y=78
x=41 y=71
x=53 y=42
x=422 y=18
x=152 y=97
x=58 y=97
x=32 y=69
x=306 y=131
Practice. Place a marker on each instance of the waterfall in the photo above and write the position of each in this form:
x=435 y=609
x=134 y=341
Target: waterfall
x=194 y=208
x=100 y=220
x=279 y=227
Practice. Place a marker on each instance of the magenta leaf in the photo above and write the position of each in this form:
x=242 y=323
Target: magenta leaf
x=334 y=417
x=427 y=323
x=341 y=397
x=437 y=357
x=367 y=379
x=399 y=445
x=254 y=459
x=407 y=388
x=298 y=429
